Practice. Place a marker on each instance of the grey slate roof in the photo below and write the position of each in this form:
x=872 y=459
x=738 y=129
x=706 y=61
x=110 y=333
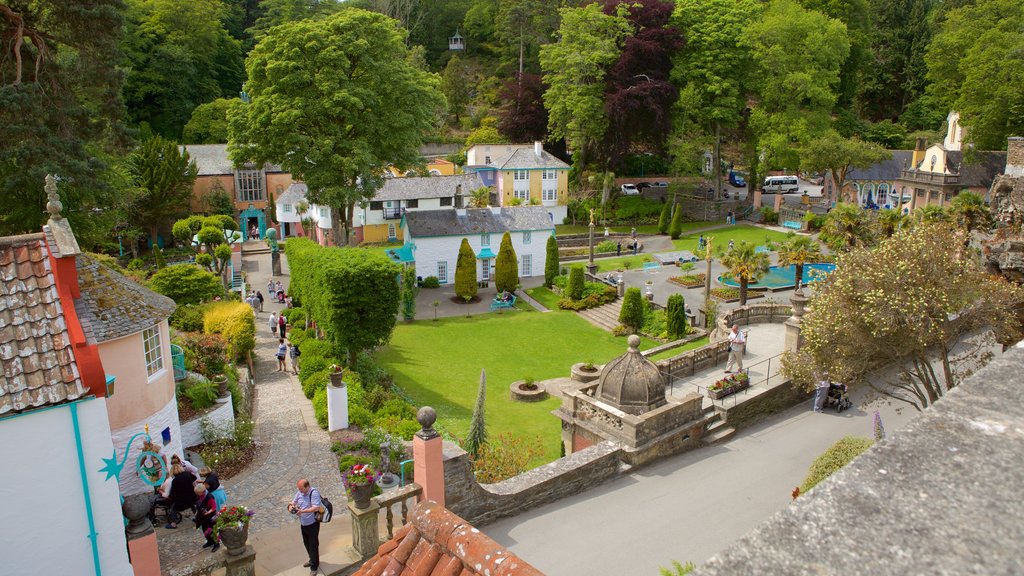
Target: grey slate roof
x=212 y=159
x=525 y=158
x=36 y=355
x=294 y=194
x=113 y=305
x=884 y=171
x=447 y=222
x=979 y=172
x=416 y=188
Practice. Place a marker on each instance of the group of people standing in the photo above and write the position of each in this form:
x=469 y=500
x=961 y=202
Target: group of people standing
x=188 y=488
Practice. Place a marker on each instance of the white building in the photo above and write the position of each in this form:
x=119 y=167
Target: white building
x=288 y=207
x=433 y=238
x=380 y=219
x=523 y=174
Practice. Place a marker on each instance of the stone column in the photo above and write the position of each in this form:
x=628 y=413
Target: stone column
x=365 y=537
x=242 y=565
x=428 y=457
x=337 y=403
x=140 y=535
x=793 y=338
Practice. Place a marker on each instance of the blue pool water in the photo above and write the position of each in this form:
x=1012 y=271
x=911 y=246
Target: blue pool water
x=784 y=276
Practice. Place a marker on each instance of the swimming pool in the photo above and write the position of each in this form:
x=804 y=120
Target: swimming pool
x=781 y=277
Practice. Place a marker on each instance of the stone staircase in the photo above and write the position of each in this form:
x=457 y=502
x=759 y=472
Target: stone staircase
x=605 y=317
x=715 y=429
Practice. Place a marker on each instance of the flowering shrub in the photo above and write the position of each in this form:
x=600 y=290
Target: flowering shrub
x=234 y=321
x=231 y=517
x=205 y=353
x=360 y=475
x=737 y=379
x=688 y=280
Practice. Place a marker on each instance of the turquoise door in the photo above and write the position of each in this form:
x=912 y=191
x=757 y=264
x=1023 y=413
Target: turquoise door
x=251 y=216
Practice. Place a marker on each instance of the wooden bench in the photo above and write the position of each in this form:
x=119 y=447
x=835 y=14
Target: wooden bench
x=503 y=304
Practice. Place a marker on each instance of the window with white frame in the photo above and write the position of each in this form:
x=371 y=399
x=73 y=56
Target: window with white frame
x=323 y=212
x=522 y=193
x=154 y=351
x=249 y=185
x=526 y=269
x=549 y=175
x=549 y=194
x=485 y=239
x=442 y=272
x=287 y=207
x=392 y=231
x=520 y=175
x=527 y=236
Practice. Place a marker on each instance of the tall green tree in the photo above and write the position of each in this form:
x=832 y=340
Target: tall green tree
x=477 y=436
x=856 y=15
x=836 y=154
x=713 y=69
x=506 y=266
x=675 y=229
x=976 y=66
x=745 y=264
x=276 y=12
x=551 y=264
x=574 y=69
x=61 y=113
x=335 y=131
x=178 y=56
x=894 y=74
x=465 y=272
x=797 y=251
x=797 y=55
x=456 y=84
x=523 y=26
x=165 y=174
x=632 y=313
x=675 y=317
x=907 y=315
x=665 y=218
x=208 y=123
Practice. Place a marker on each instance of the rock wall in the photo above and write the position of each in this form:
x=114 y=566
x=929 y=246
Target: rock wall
x=221 y=418
x=768 y=401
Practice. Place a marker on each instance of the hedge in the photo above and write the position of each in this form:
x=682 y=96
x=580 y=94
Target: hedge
x=235 y=322
x=320 y=407
x=838 y=455
x=295 y=316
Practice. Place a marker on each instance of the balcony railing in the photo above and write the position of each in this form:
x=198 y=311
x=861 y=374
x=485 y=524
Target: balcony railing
x=394 y=213
x=389 y=499
x=930 y=177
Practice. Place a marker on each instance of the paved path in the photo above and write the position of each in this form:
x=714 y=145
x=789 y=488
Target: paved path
x=292 y=446
x=687 y=507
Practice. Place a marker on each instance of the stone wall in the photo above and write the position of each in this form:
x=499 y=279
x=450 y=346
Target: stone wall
x=1014 y=156
x=481 y=504
x=750 y=314
x=763 y=402
x=221 y=418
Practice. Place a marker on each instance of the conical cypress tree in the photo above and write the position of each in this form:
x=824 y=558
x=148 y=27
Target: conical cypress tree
x=551 y=263
x=506 y=266
x=632 y=314
x=676 y=229
x=574 y=290
x=663 y=220
x=675 y=316
x=465 y=272
x=477 y=436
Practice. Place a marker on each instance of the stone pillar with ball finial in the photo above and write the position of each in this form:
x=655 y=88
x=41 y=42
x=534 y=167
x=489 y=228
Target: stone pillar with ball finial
x=793 y=338
x=428 y=457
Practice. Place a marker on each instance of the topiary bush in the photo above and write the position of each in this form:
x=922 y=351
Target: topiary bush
x=431 y=282
x=551 y=263
x=632 y=313
x=186 y=284
x=574 y=288
x=465 y=272
x=235 y=322
x=838 y=455
x=188 y=318
x=506 y=266
x=320 y=407
x=675 y=317
x=675 y=229
x=295 y=317
x=663 y=219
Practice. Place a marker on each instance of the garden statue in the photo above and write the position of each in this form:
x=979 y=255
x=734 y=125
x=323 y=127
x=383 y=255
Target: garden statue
x=271 y=236
x=387 y=479
x=275 y=255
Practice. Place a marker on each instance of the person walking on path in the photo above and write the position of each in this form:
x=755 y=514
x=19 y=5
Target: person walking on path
x=273 y=323
x=618 y=248
x=259 y=296
x=282 y=323
x=206 y=511
x=270 y=287
x=306 y=504
x=820 y=393
x=293 y=353
x=737 y=340
x=282 y=352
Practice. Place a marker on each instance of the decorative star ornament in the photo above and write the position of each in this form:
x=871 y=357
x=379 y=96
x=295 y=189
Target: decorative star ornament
x=112 y=467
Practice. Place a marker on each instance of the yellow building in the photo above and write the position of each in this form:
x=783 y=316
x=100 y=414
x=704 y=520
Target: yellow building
x=525 y=175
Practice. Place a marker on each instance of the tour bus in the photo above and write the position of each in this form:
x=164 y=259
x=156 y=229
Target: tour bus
x=781 y=184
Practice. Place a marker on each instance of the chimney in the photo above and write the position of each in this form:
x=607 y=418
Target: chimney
x=918 y=155
x=1015 y=156
x=538 y=149
x=428 y=457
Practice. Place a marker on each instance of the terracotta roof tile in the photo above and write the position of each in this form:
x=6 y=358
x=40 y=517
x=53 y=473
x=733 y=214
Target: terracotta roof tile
x=436 y=542
x=36 y=358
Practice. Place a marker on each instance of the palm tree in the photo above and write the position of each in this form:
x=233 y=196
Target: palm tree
x=970 y=211
x=745 y=265
x=846 y=226
x=301 y=208
x=931 y=213
x=890 y=220
x=480 y=198
x=797 y=251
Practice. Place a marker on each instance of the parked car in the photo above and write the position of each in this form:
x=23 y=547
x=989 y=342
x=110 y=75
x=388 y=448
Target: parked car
x=737 y=179
x=642 y=185
x=630 y=190
x=660 y=185
x=781 y=185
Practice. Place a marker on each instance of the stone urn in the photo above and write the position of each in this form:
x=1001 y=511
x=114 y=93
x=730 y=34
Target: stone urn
x=222 y=384
x=524 y=391
x=361 y=496
x=136 y=509
x=585 y=372
x=234 y=538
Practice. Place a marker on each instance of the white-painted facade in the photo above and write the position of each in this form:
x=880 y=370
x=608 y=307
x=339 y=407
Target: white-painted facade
x=220 y=421
x=287 y=208
x=165 y=418
x=46 y=523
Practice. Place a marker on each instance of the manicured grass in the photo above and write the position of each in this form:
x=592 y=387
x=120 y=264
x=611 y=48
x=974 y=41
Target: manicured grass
x=438 y=364
x=721 y=236
x=610 y=264
x=642 y=229
x=545 y=296
x=676 y=351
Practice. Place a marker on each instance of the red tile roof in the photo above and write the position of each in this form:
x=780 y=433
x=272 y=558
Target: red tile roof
x=438 y=543
x=36 y=355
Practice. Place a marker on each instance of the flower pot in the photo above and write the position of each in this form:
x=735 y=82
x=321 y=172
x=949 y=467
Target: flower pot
x=521 y=393
x=580 y=373
x=234 y=539
x=222 y=384
x=361 y=496
x=734 y=388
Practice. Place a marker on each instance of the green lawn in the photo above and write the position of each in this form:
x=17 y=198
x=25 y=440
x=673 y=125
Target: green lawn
x=676 y=351
x=643 y=229
x=438 y=364
x=721 y=236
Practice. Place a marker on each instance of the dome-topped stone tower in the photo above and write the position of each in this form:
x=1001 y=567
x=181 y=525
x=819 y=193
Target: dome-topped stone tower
x=631 y=382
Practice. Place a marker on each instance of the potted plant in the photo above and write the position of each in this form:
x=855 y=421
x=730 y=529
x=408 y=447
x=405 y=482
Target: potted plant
x=729 y=385
x=232 y=528
x=359 y=481
x=584 y=372
x=527 y=390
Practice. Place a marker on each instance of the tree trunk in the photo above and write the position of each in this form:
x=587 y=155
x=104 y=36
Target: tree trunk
x=799 y=275
x=716 y=161
x=743 y=292
x=336 y=227
x=353 y=355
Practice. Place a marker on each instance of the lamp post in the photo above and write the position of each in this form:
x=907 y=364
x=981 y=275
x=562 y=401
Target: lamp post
x=707 y=280
x=591 y=267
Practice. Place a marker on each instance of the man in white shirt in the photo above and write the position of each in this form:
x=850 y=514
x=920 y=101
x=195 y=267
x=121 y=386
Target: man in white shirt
x=737 y=341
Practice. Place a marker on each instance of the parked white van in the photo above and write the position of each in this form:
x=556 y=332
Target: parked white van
x=781 y=184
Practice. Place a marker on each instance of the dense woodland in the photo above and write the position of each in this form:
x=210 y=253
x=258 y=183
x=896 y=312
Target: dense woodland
x=99 y=92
